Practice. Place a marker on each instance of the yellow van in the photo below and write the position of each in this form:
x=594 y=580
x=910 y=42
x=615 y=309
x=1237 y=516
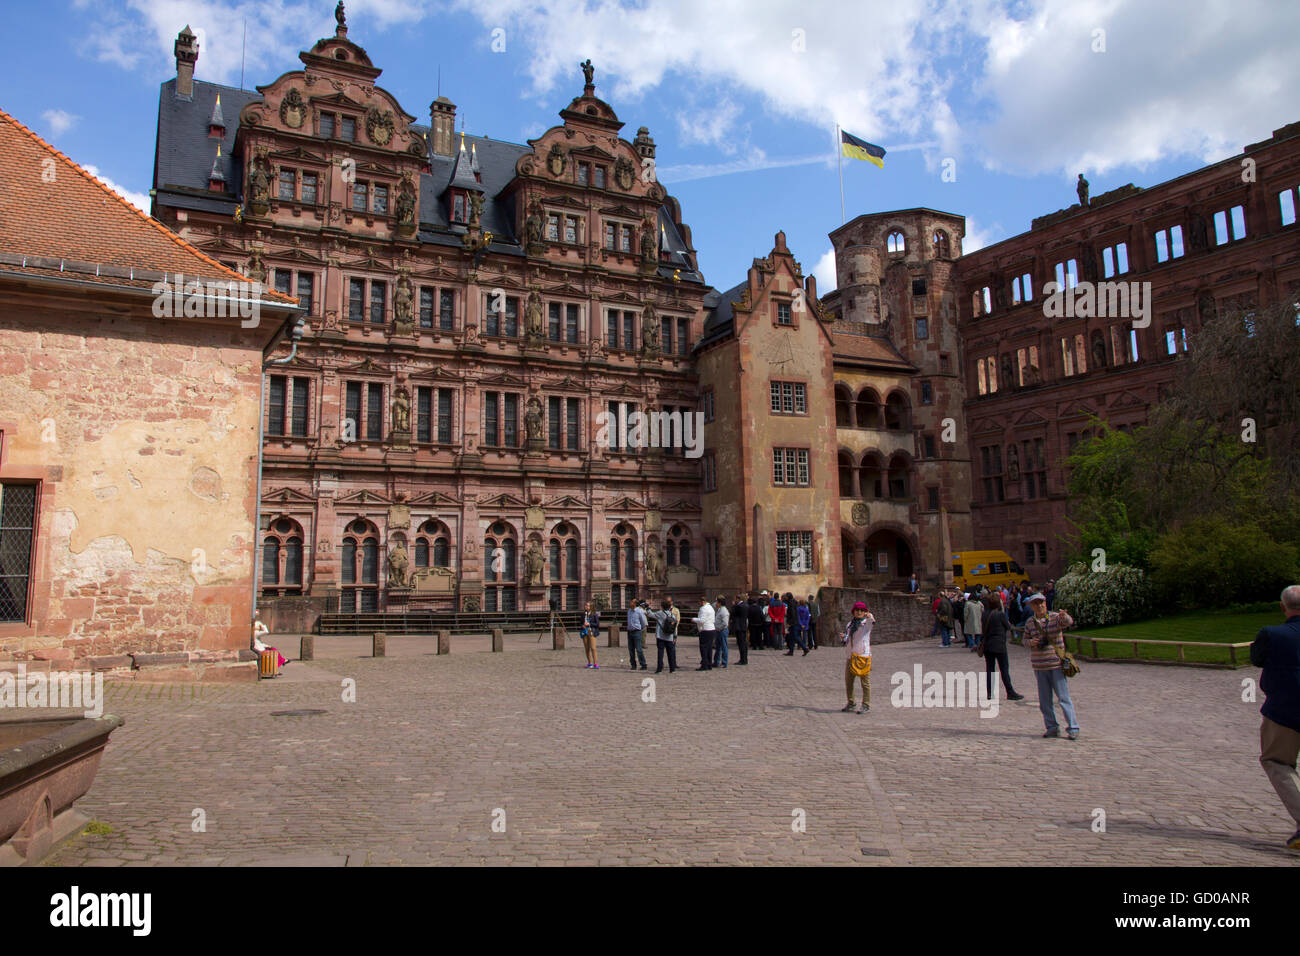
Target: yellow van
x=989 y=568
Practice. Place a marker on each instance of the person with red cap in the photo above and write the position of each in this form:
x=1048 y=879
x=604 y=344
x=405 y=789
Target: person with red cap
x=857 y=642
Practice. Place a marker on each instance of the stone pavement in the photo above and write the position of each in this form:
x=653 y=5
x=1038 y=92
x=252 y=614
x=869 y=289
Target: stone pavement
x=579 y=769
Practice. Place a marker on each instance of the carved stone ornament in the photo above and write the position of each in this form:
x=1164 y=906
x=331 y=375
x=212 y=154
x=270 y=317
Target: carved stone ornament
x=404 y=307
x=556 y=160
x=293 y=111
x=624 y=173
x=470 y=604
x=861 y=514
x=534 y=519
x=379 y=126
x=406 y=204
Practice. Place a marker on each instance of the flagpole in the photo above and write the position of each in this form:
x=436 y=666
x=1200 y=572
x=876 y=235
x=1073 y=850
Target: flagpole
x=839 y=152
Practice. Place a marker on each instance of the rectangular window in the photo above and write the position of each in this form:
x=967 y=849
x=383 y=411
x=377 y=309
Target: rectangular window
x=571 y=324
x=928 y=443
x=554 y=421
x=625 y=239
x=327 y=125
x=424 y=414
x=426 y=307
x=283 y=281
x=932 y=498
x=374 y=412
x=666 y=335
x=570 y=229
x=611 y=234
x=446 y=309
x=1286 y=201
x=707 y=403
x=491 y=422
x=599 y=174
x=991 y=460
x=357 y=300
x=444 y=416
x=927 y=394
x=286 y=184
x=789 y=398
x=298 y=414
x=794 y=553
x=629 y=331
x=352 y=417
x=553 y=227
x=553 y=323
x=1067 y=274
x=922 y=327
x=790 y=467
x=348 y=129
x=360 y=197
x=378 y=301
x=381 y=200
x=1042 y=552
x=17 y=542
x=1169 y=243
x=510 y=421
x=1022 y=288
x=306 y=284
x=275 y=409
x=572 y=420
x=1118 y=348
x=584 y=174
x=1067 y=357
x=1133 y=345
x=1229 y=225
x=709 y=467
x=309 y=188
x=683 y=336
x=981 y=381
x=711 y=563
x=1114 y=259
x=1080 y=354
x=611 y=330
x=783 y=314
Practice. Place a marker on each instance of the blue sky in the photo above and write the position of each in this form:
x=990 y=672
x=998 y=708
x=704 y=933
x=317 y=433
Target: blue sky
x=741 y=96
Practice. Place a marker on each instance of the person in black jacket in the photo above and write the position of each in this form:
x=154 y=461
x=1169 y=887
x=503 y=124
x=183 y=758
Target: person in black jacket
x=740 y=629
x=757 y=626
x=1276 y=651
x=995 y=627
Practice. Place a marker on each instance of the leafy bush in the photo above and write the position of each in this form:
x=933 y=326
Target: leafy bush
x=1099 y=598
x=1212 y=562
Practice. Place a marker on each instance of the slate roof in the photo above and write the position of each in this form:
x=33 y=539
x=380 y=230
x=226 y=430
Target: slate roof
x=719 y=319
x=74 y=227
x=184 y=159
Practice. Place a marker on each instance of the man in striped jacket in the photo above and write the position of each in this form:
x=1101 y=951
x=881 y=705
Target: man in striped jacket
x=1043 y=637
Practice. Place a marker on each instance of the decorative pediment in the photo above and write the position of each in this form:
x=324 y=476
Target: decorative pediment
x=564 y=202
x=681 y=504
x=565 y=501
x=1128 y=400
x=221 y=245
x=436 y=374
x=564 y=288
x=593 y=151
x=1030 y=418
x=362 y=497
x=373 y=169
x=502 y=501
x=624 y=504
x=627 y=212
x=299 y=155
x=289 y=496
x=434 y=499
x=371 y=263
x=336 y=99
x=296 y=254
x=503 y=378
x=566 y=384
x=622 y=298
x=624 y=389
x=298 y=364
x=366 y=367
x=986 y=426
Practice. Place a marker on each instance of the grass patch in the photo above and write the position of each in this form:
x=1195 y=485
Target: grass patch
x=96 y=828
x=1209 y=627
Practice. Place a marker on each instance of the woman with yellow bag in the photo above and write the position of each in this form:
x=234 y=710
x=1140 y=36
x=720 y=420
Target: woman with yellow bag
x=857 y=641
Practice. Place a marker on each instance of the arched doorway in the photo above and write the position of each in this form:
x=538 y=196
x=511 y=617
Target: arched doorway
x=889 y=556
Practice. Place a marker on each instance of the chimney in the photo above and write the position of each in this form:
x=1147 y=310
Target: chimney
x=442 y=115
x=645 y=146
x=217 y=124
x=187 y=52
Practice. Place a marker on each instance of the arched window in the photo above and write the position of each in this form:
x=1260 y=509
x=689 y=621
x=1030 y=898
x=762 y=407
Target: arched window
x=848 y=551
x=843 y=407
x=899 y=468
x=941 y=247
x=897 y=412
x=679 y=546
x=622 y=558
x=895 y=243
x=360 y=570
x=499 y=568
x=845 y=464
x=282 y=557
x=870 y=475
x=432 y=545
x=868 y=409
x=565 y=574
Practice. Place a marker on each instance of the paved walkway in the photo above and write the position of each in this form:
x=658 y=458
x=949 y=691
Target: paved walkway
x=578 y=768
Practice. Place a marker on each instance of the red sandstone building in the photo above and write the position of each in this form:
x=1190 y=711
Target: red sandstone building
x=128 y=431
x=477 y=309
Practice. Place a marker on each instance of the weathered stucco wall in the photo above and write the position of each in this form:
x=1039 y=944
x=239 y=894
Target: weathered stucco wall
x=146 y=438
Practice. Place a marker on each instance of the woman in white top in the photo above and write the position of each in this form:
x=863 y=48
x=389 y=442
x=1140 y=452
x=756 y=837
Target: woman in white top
x=260 y=630
x=857 y=644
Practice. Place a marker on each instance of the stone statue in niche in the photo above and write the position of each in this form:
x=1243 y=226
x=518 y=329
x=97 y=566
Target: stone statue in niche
x=1088 y=262
x=1200 y=238
x=1098 y=352
x=401 y=412
x=533 y=317
x=1082 y=189
x=649 y=329
x=533 y=225
x=533 y=563
x=647 y=241
x=404 y=307
x=533 y=420
x=397 y=567
x=654 y=564
x=1008 y=373
x=1013 y=464
x=406 y=205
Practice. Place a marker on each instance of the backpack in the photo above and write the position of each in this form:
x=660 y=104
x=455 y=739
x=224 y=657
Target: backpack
x=670 y=625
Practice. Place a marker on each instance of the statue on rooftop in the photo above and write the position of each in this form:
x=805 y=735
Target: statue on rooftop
x=1082 y=189
x=588 y=71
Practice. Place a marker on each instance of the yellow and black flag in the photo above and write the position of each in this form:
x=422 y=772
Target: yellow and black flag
x=855 y=148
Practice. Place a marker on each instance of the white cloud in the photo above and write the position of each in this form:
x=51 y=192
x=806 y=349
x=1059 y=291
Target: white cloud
x=977 y=238
x=139 y=200
x=825 y=272
x=754 y=161
x=59 y=121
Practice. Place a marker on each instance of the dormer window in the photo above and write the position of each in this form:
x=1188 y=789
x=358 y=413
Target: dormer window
x=348 y=129
x=327 y=125
x=458 y=207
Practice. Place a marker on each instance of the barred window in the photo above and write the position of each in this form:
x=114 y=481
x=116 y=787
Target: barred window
x=794 y=553
x=17 y=539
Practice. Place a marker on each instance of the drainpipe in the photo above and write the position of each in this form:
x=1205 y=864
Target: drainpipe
x=299 y=329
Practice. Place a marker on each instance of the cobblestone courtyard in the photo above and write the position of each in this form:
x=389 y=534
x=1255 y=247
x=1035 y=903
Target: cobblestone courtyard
x=711 y=771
